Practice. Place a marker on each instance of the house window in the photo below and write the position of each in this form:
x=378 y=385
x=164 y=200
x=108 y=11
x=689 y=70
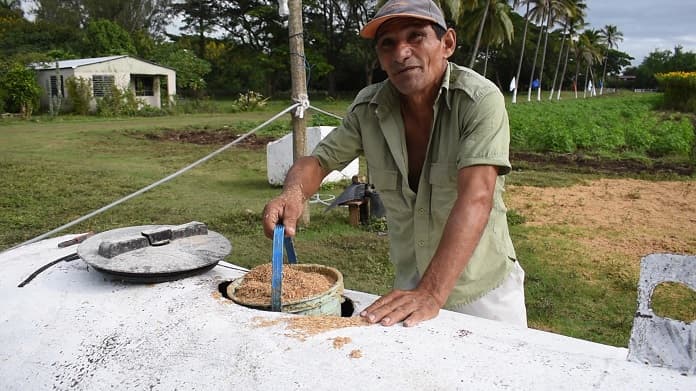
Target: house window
x=144 y=85
x=102 y=84
x=57 y=86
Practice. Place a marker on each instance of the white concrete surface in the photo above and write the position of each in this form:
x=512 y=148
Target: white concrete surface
x=279 y=157
x=72 y=328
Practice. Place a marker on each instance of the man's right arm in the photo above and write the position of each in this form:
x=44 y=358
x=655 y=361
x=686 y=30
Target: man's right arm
x=302 y=180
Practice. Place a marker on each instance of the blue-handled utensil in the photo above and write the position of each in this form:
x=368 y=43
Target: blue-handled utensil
x=280 y=241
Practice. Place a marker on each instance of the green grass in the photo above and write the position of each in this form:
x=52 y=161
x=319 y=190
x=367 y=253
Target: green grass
x=55 y=170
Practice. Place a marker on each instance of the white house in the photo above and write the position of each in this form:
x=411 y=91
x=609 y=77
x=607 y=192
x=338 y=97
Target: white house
x=123 y=71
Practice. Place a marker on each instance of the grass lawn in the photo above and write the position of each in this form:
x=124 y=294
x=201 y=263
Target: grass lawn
x=56 y=170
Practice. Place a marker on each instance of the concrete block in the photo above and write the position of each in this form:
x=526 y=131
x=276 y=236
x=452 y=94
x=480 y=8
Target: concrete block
x=279 y=157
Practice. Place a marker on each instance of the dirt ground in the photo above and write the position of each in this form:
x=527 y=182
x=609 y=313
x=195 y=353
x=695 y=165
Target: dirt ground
x=627 y=217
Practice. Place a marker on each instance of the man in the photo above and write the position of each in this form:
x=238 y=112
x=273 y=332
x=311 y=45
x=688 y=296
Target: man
x=435 y=137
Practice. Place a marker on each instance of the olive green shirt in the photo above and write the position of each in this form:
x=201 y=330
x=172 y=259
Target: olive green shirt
x=470 y=127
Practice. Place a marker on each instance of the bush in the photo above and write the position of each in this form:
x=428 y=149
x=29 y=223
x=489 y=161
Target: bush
x=249 y=102
x=79 y=94
x=672 y=138
x=119 y=102
x=21 y=92
x=680 y=90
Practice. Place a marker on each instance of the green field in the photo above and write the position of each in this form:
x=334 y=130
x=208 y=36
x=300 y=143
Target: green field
x=54 y=170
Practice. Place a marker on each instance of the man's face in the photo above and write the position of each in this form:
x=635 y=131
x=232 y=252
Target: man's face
x=412 y=56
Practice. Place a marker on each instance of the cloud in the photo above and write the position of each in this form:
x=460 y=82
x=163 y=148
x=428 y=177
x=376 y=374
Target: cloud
x=646 y=25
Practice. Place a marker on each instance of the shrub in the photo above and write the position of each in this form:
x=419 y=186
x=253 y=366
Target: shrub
x=21 y=92
x=249 y=102
x=680 y=90
x=672 y=138
x=79 y=94
x=118 y=102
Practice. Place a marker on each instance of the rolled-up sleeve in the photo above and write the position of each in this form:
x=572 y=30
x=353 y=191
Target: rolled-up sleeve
x=341 y=146
x=485 y=135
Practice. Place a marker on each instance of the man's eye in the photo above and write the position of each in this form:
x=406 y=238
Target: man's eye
x=416 y=37
x=386 y=44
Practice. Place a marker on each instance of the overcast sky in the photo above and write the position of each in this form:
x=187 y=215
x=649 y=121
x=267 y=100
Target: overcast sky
x=647 y=25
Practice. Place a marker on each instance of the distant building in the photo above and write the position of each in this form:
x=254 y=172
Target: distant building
x=146 y=79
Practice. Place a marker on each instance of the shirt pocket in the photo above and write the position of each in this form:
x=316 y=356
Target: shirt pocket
x=387 y=183
x=443 y=181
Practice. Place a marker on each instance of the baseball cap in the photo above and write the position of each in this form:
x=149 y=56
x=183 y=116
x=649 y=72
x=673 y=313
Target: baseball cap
x=419 y=9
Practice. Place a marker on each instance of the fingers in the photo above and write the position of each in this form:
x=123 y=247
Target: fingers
x=413 y=306
x=271 y=216
x=282 y=209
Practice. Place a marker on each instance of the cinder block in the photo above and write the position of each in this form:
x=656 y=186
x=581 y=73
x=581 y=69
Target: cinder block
x=279 y=157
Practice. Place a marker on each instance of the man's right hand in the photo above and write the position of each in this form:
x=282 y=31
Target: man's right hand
x=286 y=208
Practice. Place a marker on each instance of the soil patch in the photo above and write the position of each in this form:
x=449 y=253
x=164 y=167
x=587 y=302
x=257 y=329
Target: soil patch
x=209 y=137
x=583 y=163
x=627 y=217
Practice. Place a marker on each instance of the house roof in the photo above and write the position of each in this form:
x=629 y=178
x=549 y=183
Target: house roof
x=72 y=64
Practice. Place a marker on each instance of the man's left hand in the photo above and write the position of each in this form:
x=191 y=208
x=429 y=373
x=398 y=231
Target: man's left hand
x=410 y=306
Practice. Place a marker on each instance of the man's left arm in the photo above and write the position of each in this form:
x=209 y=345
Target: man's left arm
x=462 y=232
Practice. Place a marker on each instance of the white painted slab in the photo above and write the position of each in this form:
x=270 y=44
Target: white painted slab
x=279 y=157
x=72 y=328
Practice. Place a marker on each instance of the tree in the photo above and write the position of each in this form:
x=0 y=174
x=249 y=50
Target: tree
x=105 y=38
x=256 y=26
x=131 y=15
x=190 y=70
x=577 y=9
x=662 y=61
x=330 y=28
x=516 y=3
x=590 y=51
x=20 y=37
x=199 y=17
x=70 y=13
x=484 y=6
x=495 y=16
x=555 y=10
x=575 y=23
x=20 y=90
x=12 y=5
x=538 y=15
x=611 y=37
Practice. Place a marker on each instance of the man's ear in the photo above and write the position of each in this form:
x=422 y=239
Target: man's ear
x=449 y=42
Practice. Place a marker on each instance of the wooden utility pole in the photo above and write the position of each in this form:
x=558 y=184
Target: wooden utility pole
x=299 y=86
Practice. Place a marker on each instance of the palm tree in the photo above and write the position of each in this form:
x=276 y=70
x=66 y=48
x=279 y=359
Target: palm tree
x=575 y=23
x=590 y=51
x=538 y=14
x=482 y=23
x=556 y=9
x=611 y=37
x=10 y=5
x=515 y=4
x=576 y=7
x=498 y=24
